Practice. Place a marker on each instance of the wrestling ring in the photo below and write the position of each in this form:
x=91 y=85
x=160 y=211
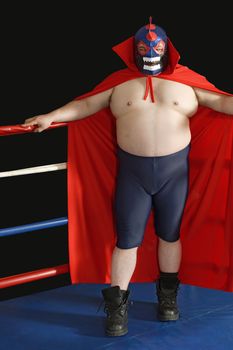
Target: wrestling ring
x=66 y=317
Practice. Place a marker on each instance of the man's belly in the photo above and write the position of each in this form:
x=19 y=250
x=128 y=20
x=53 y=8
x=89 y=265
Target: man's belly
x=150 y=136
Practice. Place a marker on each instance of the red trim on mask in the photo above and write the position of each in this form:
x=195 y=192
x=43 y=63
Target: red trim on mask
x=156 y=47
x=150 y=26
x=142 y=45
x=151 y=36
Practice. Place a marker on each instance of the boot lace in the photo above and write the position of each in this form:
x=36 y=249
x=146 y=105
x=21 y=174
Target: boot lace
x=113 y=309
x=168 y=299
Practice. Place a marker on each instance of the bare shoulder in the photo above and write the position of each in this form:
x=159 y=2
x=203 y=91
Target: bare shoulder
x=204 y=95
x=102 y=97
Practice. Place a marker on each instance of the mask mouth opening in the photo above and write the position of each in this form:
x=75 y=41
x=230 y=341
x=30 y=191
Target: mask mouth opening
x=151 y=63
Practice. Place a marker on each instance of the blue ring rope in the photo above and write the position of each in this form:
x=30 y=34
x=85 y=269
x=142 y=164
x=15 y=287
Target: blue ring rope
x=41 y=225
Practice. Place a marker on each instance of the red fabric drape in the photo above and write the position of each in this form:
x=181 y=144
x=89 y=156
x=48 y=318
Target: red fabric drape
x=206 y=229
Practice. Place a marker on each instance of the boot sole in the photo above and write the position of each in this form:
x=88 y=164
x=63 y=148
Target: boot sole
x=117 y=333
x=168 y=318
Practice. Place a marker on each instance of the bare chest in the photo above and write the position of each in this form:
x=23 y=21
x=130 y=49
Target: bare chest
x=129 y=98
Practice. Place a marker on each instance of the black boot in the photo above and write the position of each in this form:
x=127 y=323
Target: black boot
x=116 y=308
x=167 y=289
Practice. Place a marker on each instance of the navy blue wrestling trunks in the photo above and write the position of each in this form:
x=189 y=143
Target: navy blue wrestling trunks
x=143 y=183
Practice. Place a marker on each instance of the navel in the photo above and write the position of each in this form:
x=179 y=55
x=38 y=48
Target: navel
x=129 y=103
x=175 y=103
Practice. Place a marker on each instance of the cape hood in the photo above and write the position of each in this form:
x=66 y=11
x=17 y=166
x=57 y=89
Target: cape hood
x=206 y=229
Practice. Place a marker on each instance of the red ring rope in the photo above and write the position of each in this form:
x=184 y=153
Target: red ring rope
x=19 y=129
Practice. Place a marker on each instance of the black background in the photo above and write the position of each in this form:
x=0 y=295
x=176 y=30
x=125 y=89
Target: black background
x=49 y=55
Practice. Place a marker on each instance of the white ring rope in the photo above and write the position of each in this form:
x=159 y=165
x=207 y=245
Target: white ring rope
x=34 y=170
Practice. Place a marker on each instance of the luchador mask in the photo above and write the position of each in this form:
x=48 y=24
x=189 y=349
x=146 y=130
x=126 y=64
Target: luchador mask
x=150 y=49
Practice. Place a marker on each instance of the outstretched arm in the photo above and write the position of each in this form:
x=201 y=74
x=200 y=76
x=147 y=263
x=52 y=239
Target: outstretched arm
x=218 y=102
x=76 y=109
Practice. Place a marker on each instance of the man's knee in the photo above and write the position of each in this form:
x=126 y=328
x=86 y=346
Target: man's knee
x=126 y=250
x=127 y=245
x=171 y=238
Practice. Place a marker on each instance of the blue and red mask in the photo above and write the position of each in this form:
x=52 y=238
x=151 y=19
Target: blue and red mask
x=150 y=44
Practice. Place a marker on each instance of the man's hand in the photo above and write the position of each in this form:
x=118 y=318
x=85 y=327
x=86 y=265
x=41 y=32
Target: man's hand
x=42 y=121
x=74 y=110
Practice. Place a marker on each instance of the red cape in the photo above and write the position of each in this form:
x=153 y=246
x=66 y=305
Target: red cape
x=206 y=229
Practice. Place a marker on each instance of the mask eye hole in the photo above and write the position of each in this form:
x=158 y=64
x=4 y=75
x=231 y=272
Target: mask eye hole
x=142 y=48
x=160 y=47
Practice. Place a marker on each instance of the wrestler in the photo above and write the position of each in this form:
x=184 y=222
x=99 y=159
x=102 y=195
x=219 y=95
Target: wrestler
x=153 y=138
